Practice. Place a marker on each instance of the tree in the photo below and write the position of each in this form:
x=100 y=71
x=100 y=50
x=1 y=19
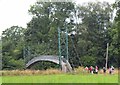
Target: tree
x=0 y=53
x=95 y=21
x=12 y=48
x=117 y=20
x=41 y=33
x=90 y=28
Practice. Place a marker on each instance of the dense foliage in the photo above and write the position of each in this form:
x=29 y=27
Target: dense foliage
x=117 y=19
x=91 y=24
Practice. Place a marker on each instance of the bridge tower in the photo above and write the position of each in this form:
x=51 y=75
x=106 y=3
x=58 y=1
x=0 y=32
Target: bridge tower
x=63 y=44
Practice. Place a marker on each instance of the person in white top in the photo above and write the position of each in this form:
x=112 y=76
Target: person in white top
x=111 y=70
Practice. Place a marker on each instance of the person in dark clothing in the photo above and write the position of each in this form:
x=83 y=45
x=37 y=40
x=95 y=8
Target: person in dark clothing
x=104 y=70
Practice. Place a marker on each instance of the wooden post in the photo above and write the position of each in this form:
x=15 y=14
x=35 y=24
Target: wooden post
x=107 y=56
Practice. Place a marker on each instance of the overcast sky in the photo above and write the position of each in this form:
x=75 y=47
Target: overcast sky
x=15 y=12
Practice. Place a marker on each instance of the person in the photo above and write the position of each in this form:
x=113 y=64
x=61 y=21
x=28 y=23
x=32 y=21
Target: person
x=96 y=70
x=86 y=69
x=111 y=70
x=104 y=70
x=91 y=69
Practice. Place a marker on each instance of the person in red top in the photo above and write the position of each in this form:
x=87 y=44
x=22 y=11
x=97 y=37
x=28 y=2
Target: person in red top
x=91 y=69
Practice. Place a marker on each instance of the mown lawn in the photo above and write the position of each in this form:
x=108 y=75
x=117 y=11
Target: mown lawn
x=0 y=80
x=62 y=78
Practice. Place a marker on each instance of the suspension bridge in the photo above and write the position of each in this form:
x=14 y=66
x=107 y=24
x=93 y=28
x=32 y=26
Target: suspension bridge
x=62 y=59
x=66 y=67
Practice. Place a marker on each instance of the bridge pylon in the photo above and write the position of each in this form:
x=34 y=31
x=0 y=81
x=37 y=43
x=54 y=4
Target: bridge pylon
x=63 y=44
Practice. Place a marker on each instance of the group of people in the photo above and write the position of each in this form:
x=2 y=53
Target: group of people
x=111 y=70
x=92 y=70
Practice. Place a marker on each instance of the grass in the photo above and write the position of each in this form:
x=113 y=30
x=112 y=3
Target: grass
x=0 y=80
x=30 y=72
x=62 y=78
x=56 y=76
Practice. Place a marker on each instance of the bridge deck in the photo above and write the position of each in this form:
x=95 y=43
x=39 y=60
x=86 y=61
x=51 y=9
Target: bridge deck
x=51 y=58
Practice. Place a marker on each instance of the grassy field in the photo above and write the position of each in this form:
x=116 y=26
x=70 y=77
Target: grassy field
x=56 y=76
x=62 y=78
x=0 y=80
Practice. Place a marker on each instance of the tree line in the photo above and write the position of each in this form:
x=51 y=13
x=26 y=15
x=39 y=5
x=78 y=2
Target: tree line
x=92 y=25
